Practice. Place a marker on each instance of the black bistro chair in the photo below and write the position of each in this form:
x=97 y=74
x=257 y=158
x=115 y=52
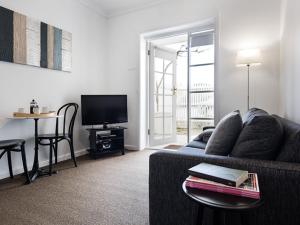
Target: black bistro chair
x=17 y=145
x=52 y=140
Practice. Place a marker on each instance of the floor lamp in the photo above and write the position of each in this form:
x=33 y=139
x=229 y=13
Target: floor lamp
x=249 y=57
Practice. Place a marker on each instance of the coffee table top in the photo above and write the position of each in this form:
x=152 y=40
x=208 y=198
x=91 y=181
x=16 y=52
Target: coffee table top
x=221 y=201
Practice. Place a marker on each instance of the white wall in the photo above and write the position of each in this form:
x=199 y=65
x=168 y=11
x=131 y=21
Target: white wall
x=290 y=55
x=242 y=24
x=19 y=84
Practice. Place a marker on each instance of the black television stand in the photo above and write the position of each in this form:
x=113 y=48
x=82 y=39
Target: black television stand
x=106 y=140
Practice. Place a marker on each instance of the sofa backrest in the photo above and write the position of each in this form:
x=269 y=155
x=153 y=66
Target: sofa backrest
x=290 y=146
x=260 y=137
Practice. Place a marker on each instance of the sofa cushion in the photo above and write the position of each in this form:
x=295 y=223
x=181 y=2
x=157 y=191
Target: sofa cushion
x=290 y=148
x=259 y=139
x=191 y=151
x=224 y=136
x=196 y=144
x=248 y=116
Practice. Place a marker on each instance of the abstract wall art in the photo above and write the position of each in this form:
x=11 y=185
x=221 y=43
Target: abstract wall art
x=24 y=40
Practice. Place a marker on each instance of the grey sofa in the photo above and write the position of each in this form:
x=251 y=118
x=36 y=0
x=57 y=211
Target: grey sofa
x=279 y=183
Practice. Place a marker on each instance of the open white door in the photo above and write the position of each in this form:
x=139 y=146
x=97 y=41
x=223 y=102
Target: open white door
x=162 y=96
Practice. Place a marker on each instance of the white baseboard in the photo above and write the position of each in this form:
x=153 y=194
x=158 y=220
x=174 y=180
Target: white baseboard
x=60 y=158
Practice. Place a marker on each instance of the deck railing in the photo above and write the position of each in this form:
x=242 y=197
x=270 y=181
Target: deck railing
x=202 y=106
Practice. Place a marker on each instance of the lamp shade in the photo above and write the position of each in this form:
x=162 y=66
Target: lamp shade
x=248 y=57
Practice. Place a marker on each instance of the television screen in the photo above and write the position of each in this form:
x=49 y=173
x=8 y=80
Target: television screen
x=103 y=109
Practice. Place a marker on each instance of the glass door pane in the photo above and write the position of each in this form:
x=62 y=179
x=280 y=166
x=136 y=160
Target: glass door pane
x=201 y=82
x=202 y=78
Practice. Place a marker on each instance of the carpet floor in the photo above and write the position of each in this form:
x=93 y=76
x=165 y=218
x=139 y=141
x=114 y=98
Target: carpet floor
x=108 y=191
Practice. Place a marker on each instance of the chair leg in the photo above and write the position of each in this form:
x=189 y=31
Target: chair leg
x=24 y=161
x=50 y=157
x=55 y=150
x=72 y=152
x=9 y=164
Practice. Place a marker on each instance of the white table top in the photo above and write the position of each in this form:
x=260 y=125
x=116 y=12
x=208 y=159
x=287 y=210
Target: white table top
x=35 y=117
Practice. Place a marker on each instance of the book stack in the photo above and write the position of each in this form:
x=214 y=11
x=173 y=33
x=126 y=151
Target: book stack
x=223 y=180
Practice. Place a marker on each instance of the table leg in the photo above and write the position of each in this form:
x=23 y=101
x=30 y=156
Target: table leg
x=36 y=171
x=35 y=167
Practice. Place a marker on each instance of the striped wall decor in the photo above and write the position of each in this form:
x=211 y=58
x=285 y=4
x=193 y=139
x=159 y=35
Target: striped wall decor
x=19 y=50
x=44 y=45
x=33 y=42
x=66 y=50
x=57 y=52
x=6 y=35
x=24 y=40
x=50 y=41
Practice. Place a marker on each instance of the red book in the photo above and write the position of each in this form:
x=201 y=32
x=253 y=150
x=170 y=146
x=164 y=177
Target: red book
x=249 y=188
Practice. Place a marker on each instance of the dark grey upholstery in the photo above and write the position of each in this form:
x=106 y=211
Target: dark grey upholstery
x=201 y=140
x=192 y=151
x=278 y=181
x=251 y=113
x=204 y=136
x=259 y=139
x=224 y=136
x=196 y=144
x=290 y=150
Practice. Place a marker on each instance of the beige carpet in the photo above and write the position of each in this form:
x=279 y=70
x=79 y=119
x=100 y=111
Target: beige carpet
x=108 y=191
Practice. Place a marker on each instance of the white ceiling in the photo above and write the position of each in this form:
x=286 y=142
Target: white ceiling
x=111 y=8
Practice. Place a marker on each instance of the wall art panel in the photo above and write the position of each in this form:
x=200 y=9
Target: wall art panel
x=24 y=40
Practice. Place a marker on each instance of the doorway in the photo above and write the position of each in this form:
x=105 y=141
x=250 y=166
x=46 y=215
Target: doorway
x=181 y=86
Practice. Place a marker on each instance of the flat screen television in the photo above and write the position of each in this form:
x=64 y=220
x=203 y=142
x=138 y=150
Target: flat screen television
x=103 y=109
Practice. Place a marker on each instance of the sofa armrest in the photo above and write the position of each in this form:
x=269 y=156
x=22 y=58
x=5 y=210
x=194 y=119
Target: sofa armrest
x=208 y=127
x=278 y=181
x=204 y=136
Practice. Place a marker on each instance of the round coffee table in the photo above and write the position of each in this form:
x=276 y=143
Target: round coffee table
x=220 y=203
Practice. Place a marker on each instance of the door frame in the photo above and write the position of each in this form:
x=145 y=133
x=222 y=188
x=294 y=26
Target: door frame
x=145 y=38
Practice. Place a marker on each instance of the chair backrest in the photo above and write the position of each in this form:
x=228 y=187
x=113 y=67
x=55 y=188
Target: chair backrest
x=64 y=111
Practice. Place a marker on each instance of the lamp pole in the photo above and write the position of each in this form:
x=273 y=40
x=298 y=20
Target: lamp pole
x=248 y=57
x=248 y=97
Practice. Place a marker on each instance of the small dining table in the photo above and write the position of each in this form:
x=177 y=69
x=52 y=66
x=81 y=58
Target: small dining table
x=36 y=170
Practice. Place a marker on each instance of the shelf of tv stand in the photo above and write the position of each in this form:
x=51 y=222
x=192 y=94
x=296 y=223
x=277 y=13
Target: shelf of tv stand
x=108 y=128
x=105 y=141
